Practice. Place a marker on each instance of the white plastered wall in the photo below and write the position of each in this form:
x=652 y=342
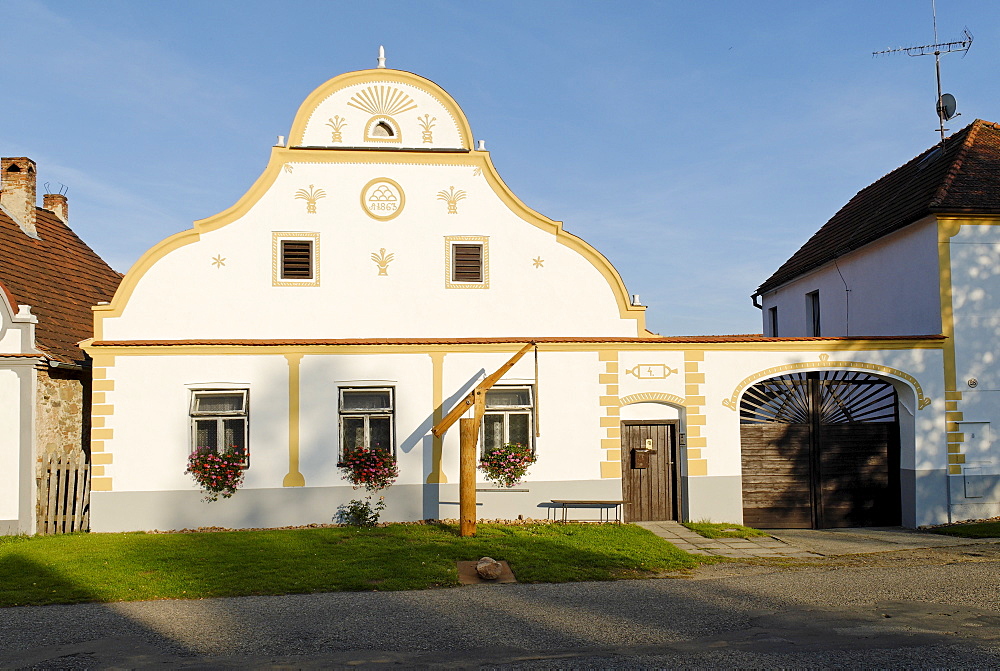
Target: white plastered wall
x=10 y=443
x=893 y=290
x=567 y=406
x=975 y=276
x=150 y=447
x=152 y=424
x=237 y=299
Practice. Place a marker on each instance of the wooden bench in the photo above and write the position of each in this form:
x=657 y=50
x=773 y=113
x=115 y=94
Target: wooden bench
x=603 y=505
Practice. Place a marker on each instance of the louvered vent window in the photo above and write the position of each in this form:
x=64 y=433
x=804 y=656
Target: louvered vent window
x=467 y=263
x=296 y=260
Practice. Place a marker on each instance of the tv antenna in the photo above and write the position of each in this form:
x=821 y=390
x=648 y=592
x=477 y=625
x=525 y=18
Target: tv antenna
x=946 y=105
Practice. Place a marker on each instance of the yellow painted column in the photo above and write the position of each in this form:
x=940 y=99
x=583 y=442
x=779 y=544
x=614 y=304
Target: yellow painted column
x=952 y=397
x=694 y=402
x=437 y=476
x=611 y=420
x=293 y=478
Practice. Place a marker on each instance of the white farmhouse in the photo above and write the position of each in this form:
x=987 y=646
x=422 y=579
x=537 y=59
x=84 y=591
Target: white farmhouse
x=374 y=274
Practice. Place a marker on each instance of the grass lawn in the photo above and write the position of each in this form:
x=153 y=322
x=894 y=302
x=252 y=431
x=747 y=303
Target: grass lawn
x=973 y=530
x=723 y=530
x=76 y=568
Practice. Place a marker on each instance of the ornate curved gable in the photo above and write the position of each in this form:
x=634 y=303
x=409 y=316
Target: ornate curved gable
x=381 y=108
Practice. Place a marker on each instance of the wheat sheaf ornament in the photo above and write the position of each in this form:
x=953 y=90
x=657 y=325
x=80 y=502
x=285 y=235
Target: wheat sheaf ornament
x=451 y=197
x=310 y=196
x=382 y=260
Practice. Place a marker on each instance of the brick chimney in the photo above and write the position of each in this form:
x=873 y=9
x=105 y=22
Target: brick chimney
x=17 y=191
x=56 y=203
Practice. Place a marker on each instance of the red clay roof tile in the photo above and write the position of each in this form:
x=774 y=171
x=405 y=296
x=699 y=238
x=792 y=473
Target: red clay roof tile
x=491 y=341
x=963 y=178
x=60 y=277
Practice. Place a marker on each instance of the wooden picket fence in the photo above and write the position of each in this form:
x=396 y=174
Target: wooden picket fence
x=63 y=494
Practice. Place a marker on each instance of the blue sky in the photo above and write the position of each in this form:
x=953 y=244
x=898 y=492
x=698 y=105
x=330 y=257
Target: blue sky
x=696 y=144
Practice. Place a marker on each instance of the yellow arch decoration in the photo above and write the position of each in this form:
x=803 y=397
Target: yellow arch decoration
x=313 y=100
x=651 y=397
x=824 y=362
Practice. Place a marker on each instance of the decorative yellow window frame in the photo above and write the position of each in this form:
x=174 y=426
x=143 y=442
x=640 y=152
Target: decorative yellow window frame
x=449 y=242
x=277 y=237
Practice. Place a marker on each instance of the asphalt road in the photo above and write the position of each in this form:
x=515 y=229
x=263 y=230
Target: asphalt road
x=933 y=607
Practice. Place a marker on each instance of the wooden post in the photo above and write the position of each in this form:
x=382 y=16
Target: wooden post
x=469 y=431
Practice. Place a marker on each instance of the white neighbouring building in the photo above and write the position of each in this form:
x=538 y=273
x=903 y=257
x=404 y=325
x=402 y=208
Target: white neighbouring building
x=918 y=251
x=379 y=268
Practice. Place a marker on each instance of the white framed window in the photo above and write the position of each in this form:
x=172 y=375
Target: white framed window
x=219 y=421
x=772 y=320
x=294 y=259
x=509 y=417
x=467 y=262
x=367 y=418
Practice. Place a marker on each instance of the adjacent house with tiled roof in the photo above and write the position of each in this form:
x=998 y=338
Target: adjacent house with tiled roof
x=918 y=251
x=49 y=279
x=379 y=271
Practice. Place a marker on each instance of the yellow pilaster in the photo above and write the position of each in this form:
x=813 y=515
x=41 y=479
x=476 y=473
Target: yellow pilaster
x=437 y=400
x=293 y=478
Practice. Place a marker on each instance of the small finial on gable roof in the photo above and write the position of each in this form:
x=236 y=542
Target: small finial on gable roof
x=381 y=56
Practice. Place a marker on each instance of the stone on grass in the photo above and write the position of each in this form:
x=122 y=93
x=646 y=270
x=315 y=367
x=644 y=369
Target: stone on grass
x=488 y=568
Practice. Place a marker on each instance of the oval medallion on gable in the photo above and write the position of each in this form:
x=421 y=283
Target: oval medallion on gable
x=382 y=199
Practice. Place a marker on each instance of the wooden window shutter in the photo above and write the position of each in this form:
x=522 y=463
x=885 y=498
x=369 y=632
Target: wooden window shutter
x=467 y=263
x=296 y=259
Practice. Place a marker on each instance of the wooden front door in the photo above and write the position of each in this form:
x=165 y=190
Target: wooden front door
x=649 y=470
x=820 y=450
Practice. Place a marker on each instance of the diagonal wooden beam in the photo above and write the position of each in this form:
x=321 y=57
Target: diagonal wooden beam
x=477 y=396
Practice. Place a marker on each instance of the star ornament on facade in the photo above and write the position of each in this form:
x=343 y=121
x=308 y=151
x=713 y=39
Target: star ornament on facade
x=538 y=261
x=218 y=261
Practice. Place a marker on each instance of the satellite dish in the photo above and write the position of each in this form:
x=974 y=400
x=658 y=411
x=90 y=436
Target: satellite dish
x=946 y=106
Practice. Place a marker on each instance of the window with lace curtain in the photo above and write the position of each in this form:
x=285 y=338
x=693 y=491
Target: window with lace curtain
x=219 y=421
x=366 y=418
x=508 y=417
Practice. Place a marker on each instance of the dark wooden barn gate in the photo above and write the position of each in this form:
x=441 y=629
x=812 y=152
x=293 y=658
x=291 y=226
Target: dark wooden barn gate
x=649 y=470
x=820 y=450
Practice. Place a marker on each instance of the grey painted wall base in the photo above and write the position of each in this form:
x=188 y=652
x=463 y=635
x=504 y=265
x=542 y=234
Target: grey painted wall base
x=718 y=498
x=296 y=506
x=974 y=496
x=924 y=496
x=9 y=528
